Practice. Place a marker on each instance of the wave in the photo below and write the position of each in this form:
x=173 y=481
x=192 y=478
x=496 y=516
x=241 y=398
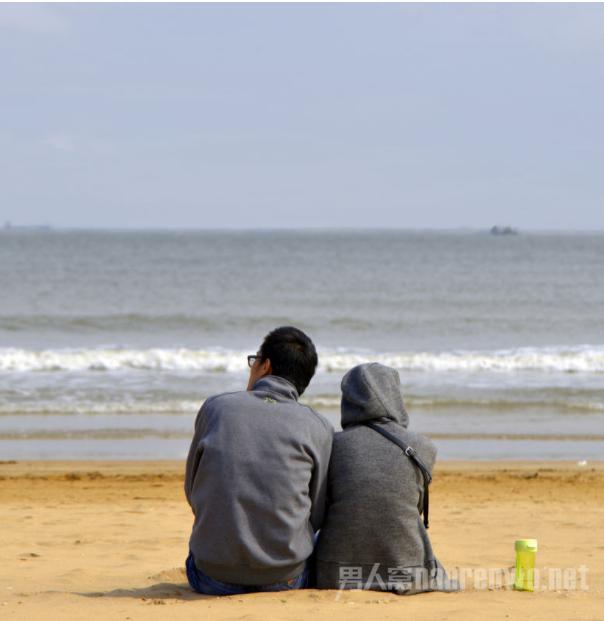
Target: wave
x=61 y=407
x=137 y=323
x=581 y=359
x=321 y=403
x=93 y=434
x=551 y=402
x=142 y=432
x=128 y=321
x=587 y=359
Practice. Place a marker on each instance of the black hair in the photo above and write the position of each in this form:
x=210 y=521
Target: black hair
x=292 y=354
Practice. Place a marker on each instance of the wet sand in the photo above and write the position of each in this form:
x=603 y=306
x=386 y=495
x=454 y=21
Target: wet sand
x=107 y=540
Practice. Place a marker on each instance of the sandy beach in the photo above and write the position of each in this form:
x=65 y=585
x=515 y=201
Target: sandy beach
x=107 y=540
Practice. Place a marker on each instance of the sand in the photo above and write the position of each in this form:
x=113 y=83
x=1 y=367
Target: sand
x=99 y=540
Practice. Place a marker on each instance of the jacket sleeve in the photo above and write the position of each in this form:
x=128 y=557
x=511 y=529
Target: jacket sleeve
x=318 y=482
x=194 y=456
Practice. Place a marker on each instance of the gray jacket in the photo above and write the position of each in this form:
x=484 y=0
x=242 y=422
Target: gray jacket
x=256 y=480
x=373 y=536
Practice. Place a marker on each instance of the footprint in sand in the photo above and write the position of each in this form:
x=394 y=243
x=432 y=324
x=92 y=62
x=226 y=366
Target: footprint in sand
x=28 y=555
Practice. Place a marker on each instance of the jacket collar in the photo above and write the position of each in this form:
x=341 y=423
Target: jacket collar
x=278 y=386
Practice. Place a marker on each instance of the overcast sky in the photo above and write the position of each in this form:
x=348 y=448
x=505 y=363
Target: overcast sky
x=311 y=115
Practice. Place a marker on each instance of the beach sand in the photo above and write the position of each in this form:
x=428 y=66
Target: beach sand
x=98 y=540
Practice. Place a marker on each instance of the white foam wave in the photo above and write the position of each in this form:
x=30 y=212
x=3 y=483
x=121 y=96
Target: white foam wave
x=583 y=359
x=188 y=409
x=13 y=359
x=550 y=359
x=88 y=407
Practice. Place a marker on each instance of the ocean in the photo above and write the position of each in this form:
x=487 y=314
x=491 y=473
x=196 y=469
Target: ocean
x=110 y=341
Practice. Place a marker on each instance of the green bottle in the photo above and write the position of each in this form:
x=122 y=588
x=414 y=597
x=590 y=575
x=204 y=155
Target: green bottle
x=526 y=550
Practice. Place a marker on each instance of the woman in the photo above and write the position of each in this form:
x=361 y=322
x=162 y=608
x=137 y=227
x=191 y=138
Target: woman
x=374 y=536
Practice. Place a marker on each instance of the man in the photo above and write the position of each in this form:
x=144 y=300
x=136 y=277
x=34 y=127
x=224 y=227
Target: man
x=256 y=476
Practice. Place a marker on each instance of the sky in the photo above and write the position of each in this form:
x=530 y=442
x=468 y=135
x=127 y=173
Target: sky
x=288 y=116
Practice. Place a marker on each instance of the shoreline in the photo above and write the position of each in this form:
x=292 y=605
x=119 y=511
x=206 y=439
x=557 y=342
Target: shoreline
x=119 y=434
x=496 y=447
x=172 y=464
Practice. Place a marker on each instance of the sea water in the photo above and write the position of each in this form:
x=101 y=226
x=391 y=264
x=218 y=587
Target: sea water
x=110 y=341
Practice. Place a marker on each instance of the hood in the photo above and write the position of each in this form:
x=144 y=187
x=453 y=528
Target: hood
x=372 y=391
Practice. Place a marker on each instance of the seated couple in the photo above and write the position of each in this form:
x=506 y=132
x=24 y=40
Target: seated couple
x=281 y=503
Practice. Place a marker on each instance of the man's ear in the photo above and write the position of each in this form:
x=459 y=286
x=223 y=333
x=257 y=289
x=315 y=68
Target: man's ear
x=266 y=367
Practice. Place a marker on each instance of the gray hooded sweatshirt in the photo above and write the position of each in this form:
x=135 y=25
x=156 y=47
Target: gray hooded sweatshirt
x=256 y=479
x=374 y=536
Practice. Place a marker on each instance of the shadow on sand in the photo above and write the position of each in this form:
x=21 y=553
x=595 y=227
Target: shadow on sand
x=170 y=584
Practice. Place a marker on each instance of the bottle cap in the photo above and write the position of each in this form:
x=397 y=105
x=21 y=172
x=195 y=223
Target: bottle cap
x=526 y=545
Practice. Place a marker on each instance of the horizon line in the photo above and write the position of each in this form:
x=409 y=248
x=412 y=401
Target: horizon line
x=49 y=228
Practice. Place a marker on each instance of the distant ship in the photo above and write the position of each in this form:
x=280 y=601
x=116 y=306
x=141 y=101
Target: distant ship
x=503 y=230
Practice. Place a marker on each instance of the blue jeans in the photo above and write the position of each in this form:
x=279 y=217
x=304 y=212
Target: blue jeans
x=202 y=583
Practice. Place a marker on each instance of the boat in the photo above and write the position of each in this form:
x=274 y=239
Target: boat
x=503 y=230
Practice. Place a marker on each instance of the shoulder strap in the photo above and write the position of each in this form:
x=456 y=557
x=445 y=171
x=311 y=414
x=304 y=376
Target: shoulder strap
x=413 y=456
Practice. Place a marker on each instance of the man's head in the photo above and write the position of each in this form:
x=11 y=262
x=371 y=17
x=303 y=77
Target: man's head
x=288 y=353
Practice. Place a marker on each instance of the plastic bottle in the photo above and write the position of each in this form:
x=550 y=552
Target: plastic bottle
x=526 y=551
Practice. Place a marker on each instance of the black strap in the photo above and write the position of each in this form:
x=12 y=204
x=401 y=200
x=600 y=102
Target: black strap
x=413 y=456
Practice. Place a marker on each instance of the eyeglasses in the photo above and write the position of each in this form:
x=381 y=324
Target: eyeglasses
x=252 y=359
